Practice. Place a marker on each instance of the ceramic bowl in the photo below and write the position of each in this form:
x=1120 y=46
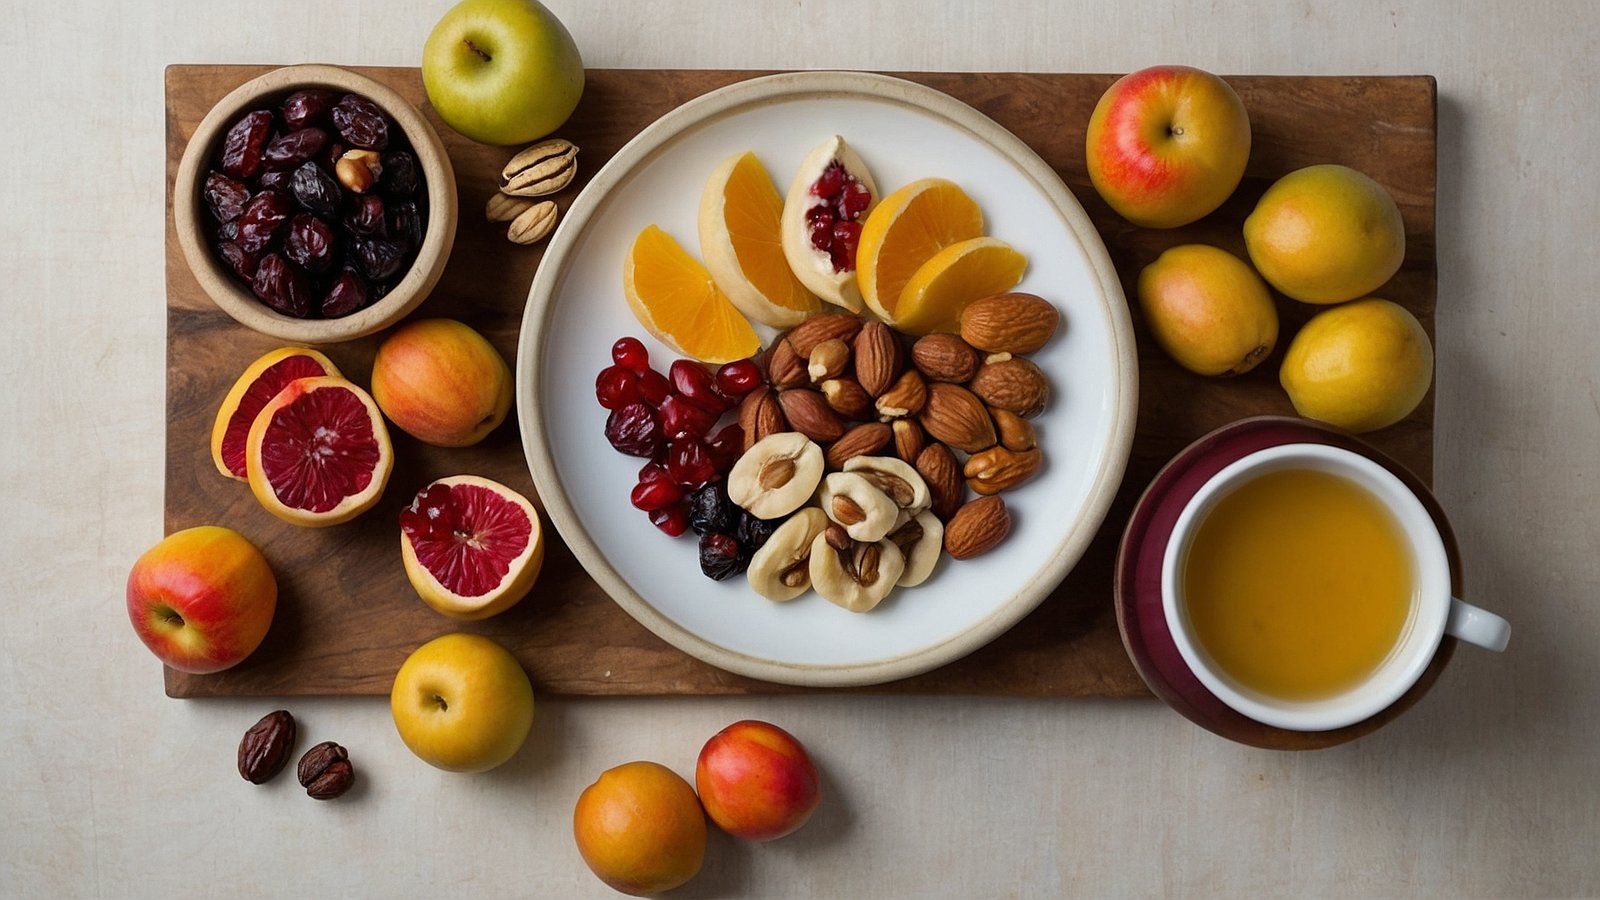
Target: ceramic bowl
x=235 y=298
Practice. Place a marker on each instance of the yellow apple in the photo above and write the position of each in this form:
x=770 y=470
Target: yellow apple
x=462 y=703
x=1167 y=145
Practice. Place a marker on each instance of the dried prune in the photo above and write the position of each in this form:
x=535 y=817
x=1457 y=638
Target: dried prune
x=400 y=174
x=241 y=147
x=753 y=532
x=405 y=224
x=307 y=107
x=710 y=510
x=281 y=287
x=721 y=557
x=241 y=261
x=315 y=190
x=309 y=243
x=379 y=258
x=263 y=215
x=348 y=294
x=361 y=123
x=224 y=196
x=367 y=218
x=288 y=151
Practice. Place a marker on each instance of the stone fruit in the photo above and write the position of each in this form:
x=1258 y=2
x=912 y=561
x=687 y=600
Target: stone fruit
x=202 y=599
x=674 y=298
x=830 y=195
x=261 y=381
x=462 y=703
x=1326 y=234
x=904 y=231
x=318 y=453
x=502 y=71
x=471 y=547
x=1361 y=366
x=1208 y=309
x=1167 y=145
x=756 y=781
x=943 y=287
x=640 y=828
x=441 y=382
x=741 y=240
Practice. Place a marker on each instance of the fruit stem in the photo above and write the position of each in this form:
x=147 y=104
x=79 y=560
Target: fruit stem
x=476 y=49
x=441 y=701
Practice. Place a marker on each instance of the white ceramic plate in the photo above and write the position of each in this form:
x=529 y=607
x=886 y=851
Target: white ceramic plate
x=575 y=311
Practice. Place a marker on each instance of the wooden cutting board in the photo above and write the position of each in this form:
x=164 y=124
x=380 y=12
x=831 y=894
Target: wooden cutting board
x=347 y=617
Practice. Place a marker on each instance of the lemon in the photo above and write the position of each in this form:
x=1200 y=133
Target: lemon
x=1361 y=366
x=1326 y=234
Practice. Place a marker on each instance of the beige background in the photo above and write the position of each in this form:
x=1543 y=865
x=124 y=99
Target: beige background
x=1487 y=788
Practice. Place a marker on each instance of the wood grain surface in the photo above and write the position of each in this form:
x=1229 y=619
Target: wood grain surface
x=347 y=617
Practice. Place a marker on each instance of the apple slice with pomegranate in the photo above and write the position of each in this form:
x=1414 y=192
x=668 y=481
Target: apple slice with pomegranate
x=828 y=200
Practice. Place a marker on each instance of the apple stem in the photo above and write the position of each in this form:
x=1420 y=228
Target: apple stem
x=475 y=49
x=170 y=616
x=442 y=704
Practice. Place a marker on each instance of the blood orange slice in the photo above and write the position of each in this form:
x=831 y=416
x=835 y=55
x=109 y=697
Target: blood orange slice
x=261 y=381
x=472 y=547
x=318 y=453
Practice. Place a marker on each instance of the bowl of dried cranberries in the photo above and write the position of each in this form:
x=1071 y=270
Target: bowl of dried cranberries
x=315 y=204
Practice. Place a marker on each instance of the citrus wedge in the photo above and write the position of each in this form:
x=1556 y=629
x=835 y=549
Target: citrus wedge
x=742 y=243
x=261 y=381
x=954 y=277
x=904 y=231
x=318 y=453
x=674 y=298
x=472 y=547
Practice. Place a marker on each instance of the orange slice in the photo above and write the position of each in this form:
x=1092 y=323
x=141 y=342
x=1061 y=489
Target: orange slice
x=261 y=381
x=742 y=242
x=957 y=275
x=674 y=298
x=471 y=547
x=318 y=453
x=904 y=231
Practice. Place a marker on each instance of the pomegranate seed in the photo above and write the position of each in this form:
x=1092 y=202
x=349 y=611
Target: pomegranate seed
x=633 y=430
x=629 y=352
x=653 y=471
x=653 y=495
x=726 y=447
x=689 y=463
x=616 y=387
x=654 y=388
x=698 y=386
x=853 y=200
x=739 y=377
x=672 y=520
x=680 y=418
x=830 y=182
x=846 y=236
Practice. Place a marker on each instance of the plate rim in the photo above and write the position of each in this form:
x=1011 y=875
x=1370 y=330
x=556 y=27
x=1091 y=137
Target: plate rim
x=654 y=139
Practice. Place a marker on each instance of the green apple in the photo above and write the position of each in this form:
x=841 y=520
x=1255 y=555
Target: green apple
x=502 y=71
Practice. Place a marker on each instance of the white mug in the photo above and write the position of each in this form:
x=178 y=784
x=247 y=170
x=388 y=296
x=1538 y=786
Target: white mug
x=1434 y=611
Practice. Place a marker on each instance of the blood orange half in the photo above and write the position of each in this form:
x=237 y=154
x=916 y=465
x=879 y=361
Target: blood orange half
x=318 y=453
x=261 y=381
x=472 y=547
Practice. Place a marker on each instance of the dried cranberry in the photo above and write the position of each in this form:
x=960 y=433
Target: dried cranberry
x=698 y=386
x=710 y=510
x=242 y=145
x=288 y=151
x=309 y=243
x=753 y=532
x=263 y=215
x=726 y=446
x=654 y=387
x=629 y=352
x=653 y=495
x=379 y=258
x=400 y=174
x=348 y=294
x=615 y=387
x=405 y=224
x=307 y=107
x=281 y=287
x=682 y=419
x=689 y=463
x=241 y=261
x=315 y=190
x=830 y=182
x=653 y=471
x=721 y=557
x=739 y=377
x=224 y=196
x=633 y=430
x=367 y=219
x=672 y=520
x=361 y=122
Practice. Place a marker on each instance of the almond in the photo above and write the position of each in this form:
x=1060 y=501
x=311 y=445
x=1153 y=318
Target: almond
x=1015 y=385
x=879 y=357
x=805 y=337
x=938 y=467
x=977 y=528
x=944 y=357
x=957 y=417
x=864 y=439
x=1009 y=323
x=760 y=415
x=1000 y=469
x=810 y=415
x=848 y=398
x=1016 y=433
x=909 y=439
x=827 y=360
x=785 y=367
x=905 y=397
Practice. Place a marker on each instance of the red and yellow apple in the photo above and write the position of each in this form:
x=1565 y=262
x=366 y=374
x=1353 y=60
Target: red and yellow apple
x=1167 y=145
x=756 y=781
x=441 y=382
x=462 y=703
x=202 y=599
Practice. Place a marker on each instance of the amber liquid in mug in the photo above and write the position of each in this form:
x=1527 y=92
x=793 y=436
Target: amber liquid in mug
x=1298 y=584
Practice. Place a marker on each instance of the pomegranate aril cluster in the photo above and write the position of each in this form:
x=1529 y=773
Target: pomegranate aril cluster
x=834 y=223
x=675 y=422
x=318 y=205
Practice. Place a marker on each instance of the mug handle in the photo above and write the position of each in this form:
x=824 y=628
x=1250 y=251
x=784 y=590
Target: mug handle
x=1476 y=625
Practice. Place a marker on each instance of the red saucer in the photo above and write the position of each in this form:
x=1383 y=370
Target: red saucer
x=1138 y=580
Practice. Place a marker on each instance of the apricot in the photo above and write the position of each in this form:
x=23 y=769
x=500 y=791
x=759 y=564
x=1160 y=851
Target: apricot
x=640 y=828
x=441 y=382
x=756 y=781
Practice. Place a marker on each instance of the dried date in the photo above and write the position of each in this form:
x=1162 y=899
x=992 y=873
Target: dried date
x=347 y=295
x=242 y=146
x=263 y=215
x=315 y=190
x=288 y=151
x=224 y=196
x=379 y=258
x=399 y=174
x=361 y=123
x=309 y=243
x=308 y=107
x=281 y=287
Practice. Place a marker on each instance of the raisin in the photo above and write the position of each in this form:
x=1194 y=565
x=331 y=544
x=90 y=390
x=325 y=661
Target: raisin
x=241 y=261
x=307 y=107
x=281 y=287
x=315 y=190
x=367 y=220
x=224 y=196
x=290 y=150
x=241 y=147
x=361 y=123
x=400 y=173
x=721 y=556
x=348 y=294
x=379 y=258
x=710 y=510
x=263 y=215
x=309 y=243
x=753 y=532
x=405 y=224
x=632 y=429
